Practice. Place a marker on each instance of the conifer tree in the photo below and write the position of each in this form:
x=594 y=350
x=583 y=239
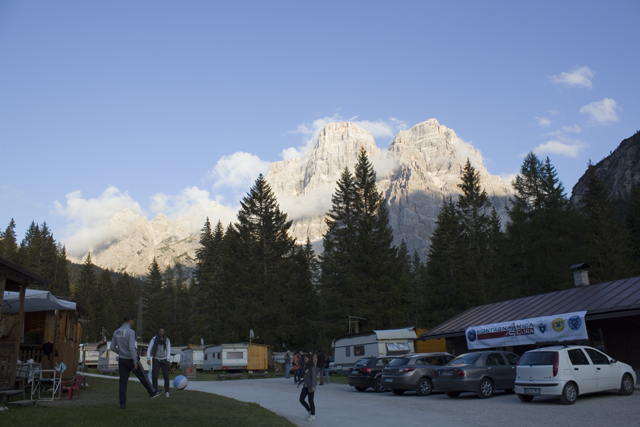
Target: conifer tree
x=84 y=293
x=545 y=231
x=154 y=308
x=8 y=243
x=632 y=223
x=606 y=240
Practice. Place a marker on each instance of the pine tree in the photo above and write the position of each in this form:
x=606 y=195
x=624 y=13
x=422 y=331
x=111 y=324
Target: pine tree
x=154 y=309
x=444 y=284
x=85 y=294
x=607 y=242
x=544 y=232
x=8 y=243
x=632 y=223
x=263 y=231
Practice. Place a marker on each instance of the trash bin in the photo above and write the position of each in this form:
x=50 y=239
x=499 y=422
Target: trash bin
x=189 y=372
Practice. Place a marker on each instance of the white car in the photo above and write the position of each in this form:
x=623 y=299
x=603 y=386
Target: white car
x=569 y=371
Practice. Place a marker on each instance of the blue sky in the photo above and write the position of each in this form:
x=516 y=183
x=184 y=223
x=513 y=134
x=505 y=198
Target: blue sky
x=175 y=107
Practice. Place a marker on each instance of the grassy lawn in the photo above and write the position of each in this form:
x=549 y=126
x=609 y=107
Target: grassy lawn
x=98 y=406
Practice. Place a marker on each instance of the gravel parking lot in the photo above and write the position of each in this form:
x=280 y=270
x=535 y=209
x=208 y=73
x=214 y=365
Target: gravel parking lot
x=341 y=405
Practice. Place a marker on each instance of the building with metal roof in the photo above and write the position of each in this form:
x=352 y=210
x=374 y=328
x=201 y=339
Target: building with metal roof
x=612 y=318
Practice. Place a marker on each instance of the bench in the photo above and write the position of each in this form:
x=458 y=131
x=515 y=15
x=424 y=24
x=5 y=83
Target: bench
x=229 y=376
x=4 y=395
x=257 y=374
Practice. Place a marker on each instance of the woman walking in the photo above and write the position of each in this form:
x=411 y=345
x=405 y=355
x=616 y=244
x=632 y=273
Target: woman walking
x=309 y=387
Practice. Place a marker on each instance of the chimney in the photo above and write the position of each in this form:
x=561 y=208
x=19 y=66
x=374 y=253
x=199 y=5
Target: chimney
x=580 y=274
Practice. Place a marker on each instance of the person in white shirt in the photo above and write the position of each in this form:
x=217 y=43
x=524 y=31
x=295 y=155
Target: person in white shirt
x=160 y=350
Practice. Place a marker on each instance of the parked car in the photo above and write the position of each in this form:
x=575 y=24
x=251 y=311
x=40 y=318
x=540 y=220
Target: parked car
x=570 y=371
x=367 y=372
x=481 y=372
x=413 y=372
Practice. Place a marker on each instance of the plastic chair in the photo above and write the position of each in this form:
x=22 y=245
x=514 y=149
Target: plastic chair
x=71 y=385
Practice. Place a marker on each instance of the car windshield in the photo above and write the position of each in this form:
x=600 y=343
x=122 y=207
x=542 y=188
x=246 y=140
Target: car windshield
x=538 y=358
x=362 y=362
x=398 y=362
x=465 y=359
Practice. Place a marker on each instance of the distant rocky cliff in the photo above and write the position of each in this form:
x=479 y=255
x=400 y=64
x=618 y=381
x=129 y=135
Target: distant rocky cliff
x=420 y=169
x=620 y=170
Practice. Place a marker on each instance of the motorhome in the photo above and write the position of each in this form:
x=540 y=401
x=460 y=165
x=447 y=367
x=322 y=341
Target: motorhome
x=108 y=360
x=88 y=355
x=348 y=349
x=225 y=357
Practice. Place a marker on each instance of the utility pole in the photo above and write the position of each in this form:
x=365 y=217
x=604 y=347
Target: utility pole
x=139 y=327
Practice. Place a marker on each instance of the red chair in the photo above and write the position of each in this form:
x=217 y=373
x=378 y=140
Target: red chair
x=74 y=385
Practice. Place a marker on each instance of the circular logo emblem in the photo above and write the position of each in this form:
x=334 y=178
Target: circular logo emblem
x=558 y=324
x=575 y=322
x=471 y=335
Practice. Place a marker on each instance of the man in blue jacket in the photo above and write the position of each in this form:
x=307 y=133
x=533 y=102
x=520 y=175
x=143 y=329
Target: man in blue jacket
x=124 y=343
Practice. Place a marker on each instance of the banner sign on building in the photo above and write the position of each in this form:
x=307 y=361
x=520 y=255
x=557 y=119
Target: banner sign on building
x=559 y=327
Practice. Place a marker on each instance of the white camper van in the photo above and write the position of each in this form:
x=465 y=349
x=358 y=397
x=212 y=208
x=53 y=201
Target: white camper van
x=108 y=360
x=348 y=349
x=226 y=357
x=192 y=356
x=89 y=354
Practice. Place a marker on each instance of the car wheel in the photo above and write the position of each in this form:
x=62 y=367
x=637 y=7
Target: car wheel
x=626 y=387
x=377 y=385
x=525 y=398
x=485 y=389
x=569 y=394
x=424 y=387
x=397 y=392
x=361 y=388
x=452 y=393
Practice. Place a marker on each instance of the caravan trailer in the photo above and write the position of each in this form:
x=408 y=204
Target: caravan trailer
x=108 y=360
x=89 y=354
x=348 y=349
x=226 y=357
x=192 y=356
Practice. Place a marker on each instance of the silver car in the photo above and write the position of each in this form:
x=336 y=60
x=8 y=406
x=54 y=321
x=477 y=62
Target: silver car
x=413 y=372
x=481 y=372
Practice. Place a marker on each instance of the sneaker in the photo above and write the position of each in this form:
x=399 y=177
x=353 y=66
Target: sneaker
x=122 y=406
x=311 y=418
x=156 y=394
x=166 y=394
x=308 y=414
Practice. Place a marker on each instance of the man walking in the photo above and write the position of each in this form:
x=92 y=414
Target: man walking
x=160 y=350
x=124 y=344
x=320 y=365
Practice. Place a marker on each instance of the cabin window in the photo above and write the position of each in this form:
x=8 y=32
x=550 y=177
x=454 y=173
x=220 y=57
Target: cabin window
x=358 y=350
x=205 y=357
x=234 y=355
x=347 y=351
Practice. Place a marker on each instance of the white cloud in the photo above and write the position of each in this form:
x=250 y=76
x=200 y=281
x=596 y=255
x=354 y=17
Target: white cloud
x=564 y=148
x=543 y=121
x=564 y=130
x=602 y=112
x=192 y=207
x=379 y=129
x=578 y=77
x=89 y=218
x=238 y=170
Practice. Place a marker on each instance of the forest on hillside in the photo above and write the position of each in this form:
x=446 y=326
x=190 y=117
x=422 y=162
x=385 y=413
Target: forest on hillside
x=251 y=275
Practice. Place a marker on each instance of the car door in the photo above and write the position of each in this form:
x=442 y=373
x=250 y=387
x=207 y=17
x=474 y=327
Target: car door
x=606 y=373
x=583 y=371
x=498 y=369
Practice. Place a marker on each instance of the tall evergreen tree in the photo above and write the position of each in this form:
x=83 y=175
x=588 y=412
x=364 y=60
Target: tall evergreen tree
x=9 y=243
x=84 y=293
x=154 y=312
x=632 y=223
x=545 y=231
x=606 y=240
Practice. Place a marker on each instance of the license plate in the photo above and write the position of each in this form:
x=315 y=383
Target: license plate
x=531 y=391
x=355 y=371
x=446 y=373
x=388 y=380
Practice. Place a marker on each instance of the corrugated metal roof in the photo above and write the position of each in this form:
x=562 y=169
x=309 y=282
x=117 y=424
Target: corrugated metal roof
x=606 y=297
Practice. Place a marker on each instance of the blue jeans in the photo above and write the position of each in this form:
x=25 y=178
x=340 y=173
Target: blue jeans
x=326 y=373
x=287 y=368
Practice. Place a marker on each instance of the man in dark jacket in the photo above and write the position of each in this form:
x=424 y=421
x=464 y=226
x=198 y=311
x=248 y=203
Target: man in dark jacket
x=320 y=365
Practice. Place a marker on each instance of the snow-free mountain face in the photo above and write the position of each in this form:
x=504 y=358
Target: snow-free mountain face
x=421 y=168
